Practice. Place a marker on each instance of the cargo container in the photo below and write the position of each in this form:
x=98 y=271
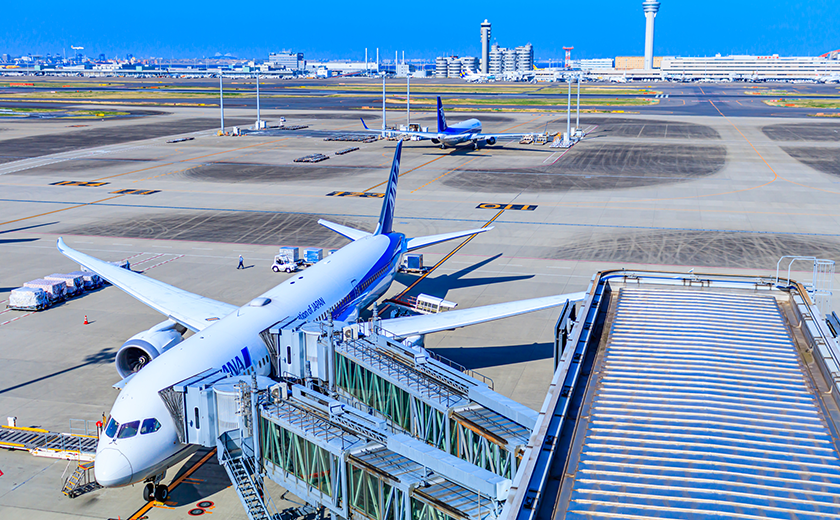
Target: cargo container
x=293 y=253
x=412 y=263
x=75 y=284
x=28 y=299
x=56 y=289
x=313 y=255
x=91 y=280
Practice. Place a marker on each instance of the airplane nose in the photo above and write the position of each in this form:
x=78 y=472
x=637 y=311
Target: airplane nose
x=112 y=468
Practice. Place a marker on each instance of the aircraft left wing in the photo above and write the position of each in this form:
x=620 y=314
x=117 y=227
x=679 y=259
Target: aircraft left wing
x=190 y=310
x=428 y=323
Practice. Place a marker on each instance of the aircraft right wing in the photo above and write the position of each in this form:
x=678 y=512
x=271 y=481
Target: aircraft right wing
x=501 y=137
x=428 y=323
x=190 y=310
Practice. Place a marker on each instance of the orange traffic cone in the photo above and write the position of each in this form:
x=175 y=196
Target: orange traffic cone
x=86 y=321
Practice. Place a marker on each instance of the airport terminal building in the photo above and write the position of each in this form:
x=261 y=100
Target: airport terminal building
x=771 y=67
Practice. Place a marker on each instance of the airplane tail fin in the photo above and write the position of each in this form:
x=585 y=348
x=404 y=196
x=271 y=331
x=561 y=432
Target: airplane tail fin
x=441 y=119
x=386 y=218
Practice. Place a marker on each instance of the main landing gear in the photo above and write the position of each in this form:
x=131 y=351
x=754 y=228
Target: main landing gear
x=154 y=490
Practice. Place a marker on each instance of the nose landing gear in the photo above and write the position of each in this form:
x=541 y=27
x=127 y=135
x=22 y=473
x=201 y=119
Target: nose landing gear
x=152 y=492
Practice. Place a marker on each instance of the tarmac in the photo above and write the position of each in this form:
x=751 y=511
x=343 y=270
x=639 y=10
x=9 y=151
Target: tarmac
x=714 y=192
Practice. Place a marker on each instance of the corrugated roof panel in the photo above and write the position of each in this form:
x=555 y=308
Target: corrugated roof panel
x=702 y=409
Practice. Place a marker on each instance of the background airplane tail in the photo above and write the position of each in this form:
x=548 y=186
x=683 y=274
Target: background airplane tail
x=441 y=118
x=386 y=218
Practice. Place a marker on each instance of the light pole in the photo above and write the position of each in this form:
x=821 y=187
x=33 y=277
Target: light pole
x=569 y=116
x=577 y=122
x=258 y=125
x=221 y=102
x=407 y=101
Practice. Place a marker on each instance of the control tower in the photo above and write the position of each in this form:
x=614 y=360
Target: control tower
x=651 y=7
x=485 y=47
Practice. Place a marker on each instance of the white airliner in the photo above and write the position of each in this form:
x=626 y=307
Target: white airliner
x=140 y=441
x=464 y=132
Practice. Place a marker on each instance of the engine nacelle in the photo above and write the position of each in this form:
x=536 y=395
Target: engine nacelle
x=145 y=346
x=435 y=141
x=491 y=141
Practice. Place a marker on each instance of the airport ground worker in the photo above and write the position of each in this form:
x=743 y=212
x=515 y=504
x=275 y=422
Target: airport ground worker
x=241 y=263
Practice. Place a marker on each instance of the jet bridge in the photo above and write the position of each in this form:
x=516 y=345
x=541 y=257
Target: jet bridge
x=360 y=424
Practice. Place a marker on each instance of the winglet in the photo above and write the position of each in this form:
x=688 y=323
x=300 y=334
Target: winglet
x=364 y=125
x=386 y=218
x=441 y=119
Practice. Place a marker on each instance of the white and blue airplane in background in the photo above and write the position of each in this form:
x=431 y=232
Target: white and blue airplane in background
x=464 y=132
x=140 y=441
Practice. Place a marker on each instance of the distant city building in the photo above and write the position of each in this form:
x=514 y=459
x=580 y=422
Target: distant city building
x=453 y=66
x=6 y=58
x=520 y=59
x=748 y=67
x=493 y=60
x=287 y=60
x=469 y=64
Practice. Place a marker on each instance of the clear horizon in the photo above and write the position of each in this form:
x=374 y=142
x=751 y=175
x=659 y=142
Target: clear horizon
x=613 y=28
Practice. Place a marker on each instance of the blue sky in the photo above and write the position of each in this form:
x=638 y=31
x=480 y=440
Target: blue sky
x=339 y=29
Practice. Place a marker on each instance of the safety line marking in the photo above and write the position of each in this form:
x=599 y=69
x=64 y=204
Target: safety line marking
x=150 y=258
x=161 y=263
x=145 y=509
x=447 y=257
x=57 y=210
x=445 y=174
x=17 y=318
x=411 y=170
x=133 y=256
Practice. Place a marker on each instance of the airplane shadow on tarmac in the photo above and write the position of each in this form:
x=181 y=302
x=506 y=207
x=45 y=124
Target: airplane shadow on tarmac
x=440 y=285
x=106 y=355
x=203 y=483
x=476 y=358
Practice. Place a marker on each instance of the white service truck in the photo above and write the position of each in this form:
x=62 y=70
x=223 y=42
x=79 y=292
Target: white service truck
x=284 y=263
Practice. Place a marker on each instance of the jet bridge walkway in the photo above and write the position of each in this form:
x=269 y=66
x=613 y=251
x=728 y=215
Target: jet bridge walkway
x=359 y=425
x=688 y=396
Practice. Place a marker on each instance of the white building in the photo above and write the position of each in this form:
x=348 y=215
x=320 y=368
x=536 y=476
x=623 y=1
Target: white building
x=747 y=67
x=342 y=67
x=287 y=60
x=593 y=64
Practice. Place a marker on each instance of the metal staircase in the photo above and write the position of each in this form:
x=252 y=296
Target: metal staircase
x=81 y=481
x=241 y=472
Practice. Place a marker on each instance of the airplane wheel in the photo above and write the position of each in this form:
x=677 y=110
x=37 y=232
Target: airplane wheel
x=161 y=493
x=149 y=492
x=275 y=269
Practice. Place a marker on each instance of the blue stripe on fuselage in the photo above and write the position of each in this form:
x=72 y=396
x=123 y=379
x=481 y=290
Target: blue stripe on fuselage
x=390 y=256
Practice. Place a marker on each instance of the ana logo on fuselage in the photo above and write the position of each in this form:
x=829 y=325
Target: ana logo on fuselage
x=238 y=365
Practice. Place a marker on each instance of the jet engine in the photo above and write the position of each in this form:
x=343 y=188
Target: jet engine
x=491 y=141
x=435 y=141
x=143 y=347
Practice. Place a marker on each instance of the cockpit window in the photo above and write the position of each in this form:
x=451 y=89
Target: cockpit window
x=149 y=426
x=111 y=429
x=128 y=430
